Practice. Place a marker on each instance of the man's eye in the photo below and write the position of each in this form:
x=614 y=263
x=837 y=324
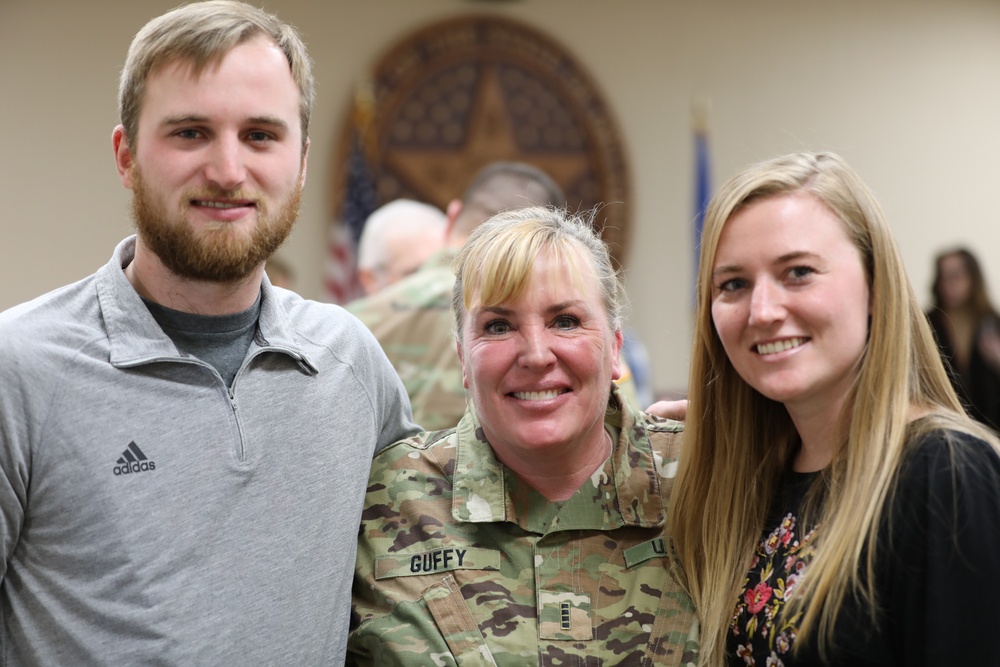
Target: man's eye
x=258 y=137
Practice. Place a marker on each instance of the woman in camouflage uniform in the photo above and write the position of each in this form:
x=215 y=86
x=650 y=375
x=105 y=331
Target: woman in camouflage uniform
x=533 y=533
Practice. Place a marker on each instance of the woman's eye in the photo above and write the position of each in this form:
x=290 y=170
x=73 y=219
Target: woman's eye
x=497 y=327
x=567 y=322
x=731 y=285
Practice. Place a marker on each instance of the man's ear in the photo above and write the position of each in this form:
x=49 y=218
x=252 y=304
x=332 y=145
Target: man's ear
x=123 y=156
x=368 y=281
x=451 y=214
x=305 y=160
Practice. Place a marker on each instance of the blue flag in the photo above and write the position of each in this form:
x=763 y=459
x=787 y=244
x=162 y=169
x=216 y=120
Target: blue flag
x=702 y=188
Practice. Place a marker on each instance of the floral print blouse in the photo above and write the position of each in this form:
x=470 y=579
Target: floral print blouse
x=759 y=633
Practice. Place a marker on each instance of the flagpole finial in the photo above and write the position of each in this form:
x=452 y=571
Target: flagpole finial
x=701 y=109
x=363 y=117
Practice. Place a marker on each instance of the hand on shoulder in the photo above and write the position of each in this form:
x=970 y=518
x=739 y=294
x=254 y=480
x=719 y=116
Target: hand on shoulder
x=669 y=409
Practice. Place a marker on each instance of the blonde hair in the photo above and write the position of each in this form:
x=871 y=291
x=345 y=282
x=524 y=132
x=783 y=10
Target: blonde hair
x=738 y=443
x=203 y=33
x=497 y=261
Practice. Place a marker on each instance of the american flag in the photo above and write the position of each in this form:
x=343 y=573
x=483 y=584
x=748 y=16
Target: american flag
x=360 y=199
x=340 y=279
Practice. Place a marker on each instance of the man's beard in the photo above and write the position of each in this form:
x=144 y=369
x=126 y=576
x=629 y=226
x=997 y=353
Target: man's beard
x=214 y=254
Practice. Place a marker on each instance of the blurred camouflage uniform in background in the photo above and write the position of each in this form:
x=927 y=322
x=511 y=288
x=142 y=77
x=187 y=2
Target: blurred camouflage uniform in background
x=413 y=322
x=461 y=563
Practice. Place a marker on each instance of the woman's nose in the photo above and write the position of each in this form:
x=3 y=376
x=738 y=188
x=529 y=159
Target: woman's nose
x=766 y=303
x=536 y=349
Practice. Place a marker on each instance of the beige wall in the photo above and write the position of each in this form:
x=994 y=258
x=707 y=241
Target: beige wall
x=907 y=90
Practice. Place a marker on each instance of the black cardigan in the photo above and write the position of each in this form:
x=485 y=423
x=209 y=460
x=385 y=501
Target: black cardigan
x=937 y=569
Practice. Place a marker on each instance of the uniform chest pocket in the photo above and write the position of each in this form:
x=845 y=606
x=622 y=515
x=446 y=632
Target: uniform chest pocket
x=457 y=626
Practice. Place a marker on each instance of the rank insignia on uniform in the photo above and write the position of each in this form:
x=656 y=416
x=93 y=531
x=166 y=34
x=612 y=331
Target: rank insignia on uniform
x=642 y=552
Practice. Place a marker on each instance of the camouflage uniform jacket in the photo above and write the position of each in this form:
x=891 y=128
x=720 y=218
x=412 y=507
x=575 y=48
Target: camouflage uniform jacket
x=412 y=320
x=414 y=324
x=461 y=563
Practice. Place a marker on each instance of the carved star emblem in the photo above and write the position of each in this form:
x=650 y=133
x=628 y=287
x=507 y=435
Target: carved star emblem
x=441 y=174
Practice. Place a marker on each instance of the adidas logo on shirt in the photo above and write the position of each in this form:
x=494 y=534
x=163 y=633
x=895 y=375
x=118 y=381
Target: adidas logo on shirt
x=133 y=460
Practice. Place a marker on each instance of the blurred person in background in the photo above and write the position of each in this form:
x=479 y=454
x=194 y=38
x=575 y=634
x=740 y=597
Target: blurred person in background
x=396 y=241
x=967 y=329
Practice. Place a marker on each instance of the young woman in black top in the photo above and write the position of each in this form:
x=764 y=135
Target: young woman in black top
x=834 y=504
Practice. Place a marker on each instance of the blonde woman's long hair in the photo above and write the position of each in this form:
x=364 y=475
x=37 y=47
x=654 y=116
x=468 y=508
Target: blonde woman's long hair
x=738 y=443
